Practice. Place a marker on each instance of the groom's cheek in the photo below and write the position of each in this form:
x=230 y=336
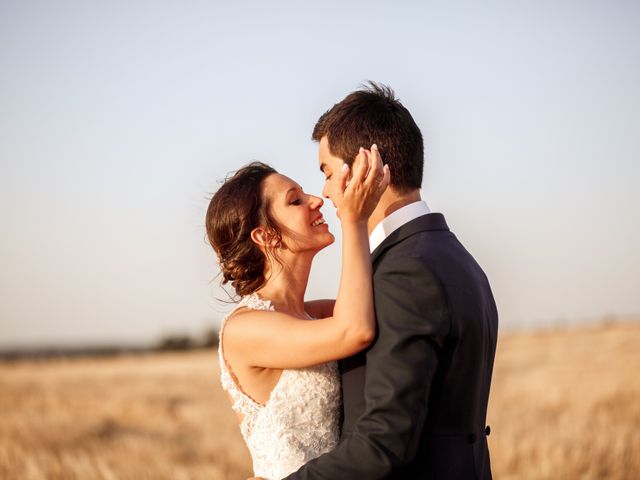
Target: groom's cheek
x=333 y=204
x=328 y=191
x=332 y=198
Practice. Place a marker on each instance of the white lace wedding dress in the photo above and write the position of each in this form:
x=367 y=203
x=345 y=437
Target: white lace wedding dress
x=298 y=423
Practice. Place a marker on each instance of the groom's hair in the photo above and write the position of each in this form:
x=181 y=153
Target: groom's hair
x=370 y=115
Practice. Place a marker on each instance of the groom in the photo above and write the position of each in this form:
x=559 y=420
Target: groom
x=415 y=402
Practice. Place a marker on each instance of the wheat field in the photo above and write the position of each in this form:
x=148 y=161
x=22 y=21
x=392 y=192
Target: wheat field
x=564 y=404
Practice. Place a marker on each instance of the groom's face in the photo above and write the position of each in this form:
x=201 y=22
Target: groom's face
x=330 y=165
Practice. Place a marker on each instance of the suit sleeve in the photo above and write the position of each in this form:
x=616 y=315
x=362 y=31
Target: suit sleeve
x=412 y=325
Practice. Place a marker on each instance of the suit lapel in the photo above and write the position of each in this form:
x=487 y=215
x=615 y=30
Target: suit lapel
x=428 y=222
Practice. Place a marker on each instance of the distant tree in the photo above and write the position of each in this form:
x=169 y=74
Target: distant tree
x=211 y=338
x=176 y=342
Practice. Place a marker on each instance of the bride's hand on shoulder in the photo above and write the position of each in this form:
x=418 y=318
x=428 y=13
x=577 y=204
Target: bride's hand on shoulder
x=360 y=193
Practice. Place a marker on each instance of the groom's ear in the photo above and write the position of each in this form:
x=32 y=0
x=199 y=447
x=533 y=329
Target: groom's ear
x=263 y=237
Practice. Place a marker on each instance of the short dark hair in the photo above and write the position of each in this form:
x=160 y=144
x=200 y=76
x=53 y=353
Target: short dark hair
x=370 y=115
x=235 y=210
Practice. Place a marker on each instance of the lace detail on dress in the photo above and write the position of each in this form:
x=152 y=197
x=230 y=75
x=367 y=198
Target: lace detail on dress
x=299 y=422
x=241 y=402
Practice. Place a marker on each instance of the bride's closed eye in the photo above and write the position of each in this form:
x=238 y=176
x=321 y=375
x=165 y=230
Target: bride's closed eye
x=298 y=198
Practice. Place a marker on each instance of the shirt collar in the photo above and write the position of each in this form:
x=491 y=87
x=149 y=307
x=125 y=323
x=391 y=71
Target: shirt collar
x=392 y=222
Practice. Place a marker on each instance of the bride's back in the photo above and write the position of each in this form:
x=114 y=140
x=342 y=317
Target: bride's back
x=300 y=419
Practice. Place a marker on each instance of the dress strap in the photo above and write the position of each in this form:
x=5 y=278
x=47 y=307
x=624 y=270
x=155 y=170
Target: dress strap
x=255 y=302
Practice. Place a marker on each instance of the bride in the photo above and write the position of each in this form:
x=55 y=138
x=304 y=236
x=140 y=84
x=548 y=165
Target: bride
x=278 y=352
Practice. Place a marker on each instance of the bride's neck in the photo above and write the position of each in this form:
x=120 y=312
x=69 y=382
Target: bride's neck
x=287 y=283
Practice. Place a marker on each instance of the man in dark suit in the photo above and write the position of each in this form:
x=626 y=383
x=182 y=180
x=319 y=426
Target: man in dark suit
x=415 y=402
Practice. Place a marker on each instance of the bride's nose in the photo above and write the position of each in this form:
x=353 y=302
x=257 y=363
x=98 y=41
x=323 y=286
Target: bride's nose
x=315 y=202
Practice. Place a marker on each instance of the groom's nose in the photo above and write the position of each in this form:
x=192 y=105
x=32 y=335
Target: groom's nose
x=325 y=192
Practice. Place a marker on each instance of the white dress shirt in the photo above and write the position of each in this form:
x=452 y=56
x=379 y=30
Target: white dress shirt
x=392 y=222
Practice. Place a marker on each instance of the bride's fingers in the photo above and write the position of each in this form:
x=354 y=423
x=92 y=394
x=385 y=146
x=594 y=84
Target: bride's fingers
x=344 y=177
x=386 y=179
x=374 y=175
x=367 y=170
x=359 y=167
x=377 y=159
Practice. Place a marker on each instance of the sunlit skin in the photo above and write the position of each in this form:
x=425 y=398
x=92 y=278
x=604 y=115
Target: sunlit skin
x=332 y=169
x=298 y=214
x=390 y=201
x=330 y=165
x=257 y=344
x=304 y=233
x=335 y=178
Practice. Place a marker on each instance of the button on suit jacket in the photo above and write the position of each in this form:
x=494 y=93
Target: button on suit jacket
x=415 y=401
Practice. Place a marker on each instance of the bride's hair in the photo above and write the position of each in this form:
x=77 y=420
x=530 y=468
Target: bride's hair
x=234 y=211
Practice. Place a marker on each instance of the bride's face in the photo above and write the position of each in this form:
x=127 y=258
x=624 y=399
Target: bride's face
x=297 y=213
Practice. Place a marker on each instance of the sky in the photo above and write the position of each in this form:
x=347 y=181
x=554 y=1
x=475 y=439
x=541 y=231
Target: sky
x=119 y=119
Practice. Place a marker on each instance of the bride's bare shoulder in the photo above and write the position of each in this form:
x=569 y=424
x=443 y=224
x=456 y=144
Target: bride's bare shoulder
x=244 y=314
x=247 y=322
x=239 y=317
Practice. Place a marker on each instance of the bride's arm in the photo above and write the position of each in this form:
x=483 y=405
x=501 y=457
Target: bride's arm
x=278 y=340
x=320 y=308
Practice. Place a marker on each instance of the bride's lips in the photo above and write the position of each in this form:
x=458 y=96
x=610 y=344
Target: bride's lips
x=318 y=221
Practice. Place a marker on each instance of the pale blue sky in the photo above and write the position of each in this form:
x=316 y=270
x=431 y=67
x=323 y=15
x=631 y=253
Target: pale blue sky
x=118 y=118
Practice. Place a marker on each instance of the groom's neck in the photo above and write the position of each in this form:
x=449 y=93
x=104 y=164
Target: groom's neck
x=390 y=202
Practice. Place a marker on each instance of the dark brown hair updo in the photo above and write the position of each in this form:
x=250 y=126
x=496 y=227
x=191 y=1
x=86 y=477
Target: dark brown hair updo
x=234 y=211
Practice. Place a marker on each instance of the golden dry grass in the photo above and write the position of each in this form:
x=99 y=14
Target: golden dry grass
x=160 y=416
x=566 y=405
x=563 y=405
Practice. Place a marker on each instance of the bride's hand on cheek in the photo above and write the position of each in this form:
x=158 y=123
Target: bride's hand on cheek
x=359 y=195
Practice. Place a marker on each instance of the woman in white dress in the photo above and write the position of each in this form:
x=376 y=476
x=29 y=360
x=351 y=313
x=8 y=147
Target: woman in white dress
x=278 y=352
